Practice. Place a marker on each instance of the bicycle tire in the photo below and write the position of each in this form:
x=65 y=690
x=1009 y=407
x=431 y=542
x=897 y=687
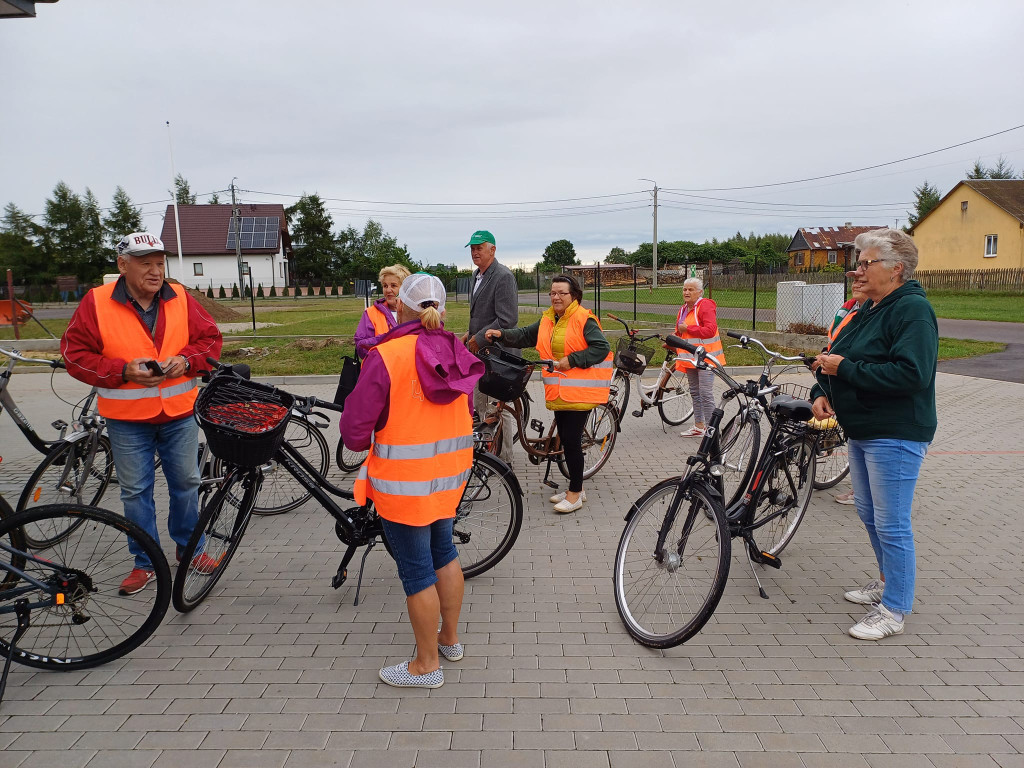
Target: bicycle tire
x=15 y=539
x=489 y=516
x=663 y=604
x=280 y=491
x=68 y=635
x=740 y=443
x=524 y=405
x=775 y=494
x=62 y=477
x=598 y=441
x=348 y=460
x=217 y=535
x=678 y=408
x=833 y=462
x=618 y=396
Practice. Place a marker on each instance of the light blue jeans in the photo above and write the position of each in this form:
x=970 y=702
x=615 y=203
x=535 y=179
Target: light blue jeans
x=134 y=445
x=884 y=474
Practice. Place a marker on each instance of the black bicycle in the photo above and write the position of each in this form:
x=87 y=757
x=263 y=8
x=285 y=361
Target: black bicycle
x=673 y=558
x=487 y=521
x=62 y=608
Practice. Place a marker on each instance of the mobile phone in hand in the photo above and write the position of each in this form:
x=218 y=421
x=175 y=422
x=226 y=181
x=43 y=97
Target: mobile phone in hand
x=154 y=366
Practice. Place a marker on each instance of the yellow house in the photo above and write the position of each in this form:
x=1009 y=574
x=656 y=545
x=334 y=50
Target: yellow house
x=978 y=225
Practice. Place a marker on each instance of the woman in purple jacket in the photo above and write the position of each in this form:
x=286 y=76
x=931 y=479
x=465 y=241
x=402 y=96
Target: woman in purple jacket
x=380 y=317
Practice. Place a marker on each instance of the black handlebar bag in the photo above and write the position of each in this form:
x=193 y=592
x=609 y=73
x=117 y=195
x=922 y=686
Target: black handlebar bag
x=347 y=380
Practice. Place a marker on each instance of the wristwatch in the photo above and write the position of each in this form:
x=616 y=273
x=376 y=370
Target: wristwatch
x=188 y=365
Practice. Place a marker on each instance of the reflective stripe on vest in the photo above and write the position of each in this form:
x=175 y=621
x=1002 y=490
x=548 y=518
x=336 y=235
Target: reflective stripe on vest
x=577 y=385
x=123 y=336
x=421 y=459
x=712 y=345
x=379 y=320
x=833 y=333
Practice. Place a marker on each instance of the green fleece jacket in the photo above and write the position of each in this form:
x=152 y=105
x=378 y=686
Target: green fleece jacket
x=885 y=386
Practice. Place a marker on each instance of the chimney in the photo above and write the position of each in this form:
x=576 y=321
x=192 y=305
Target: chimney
x=848 y=224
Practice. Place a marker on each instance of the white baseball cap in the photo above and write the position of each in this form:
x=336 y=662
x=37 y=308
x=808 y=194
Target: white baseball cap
x=421 y=289
x=140 y=244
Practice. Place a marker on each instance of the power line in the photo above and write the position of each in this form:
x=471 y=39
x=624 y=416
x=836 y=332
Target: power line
x=393 y=202
x=791 y=205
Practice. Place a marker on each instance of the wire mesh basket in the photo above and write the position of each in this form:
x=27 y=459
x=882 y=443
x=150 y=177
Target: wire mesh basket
x=633 y=358
x=244 y=422
x=799 y=391
x=830 y=435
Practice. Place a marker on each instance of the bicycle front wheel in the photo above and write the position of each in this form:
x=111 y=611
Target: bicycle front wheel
x=92 y=622
x=740 y=442
x=674 y=403
x=782 y=499
x=489 y=516
x=222 y=522
x=618 y=397
x=672 y=563
x=833 y=462
x=66 y=476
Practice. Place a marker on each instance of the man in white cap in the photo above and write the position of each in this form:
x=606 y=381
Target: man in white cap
x=141 y=342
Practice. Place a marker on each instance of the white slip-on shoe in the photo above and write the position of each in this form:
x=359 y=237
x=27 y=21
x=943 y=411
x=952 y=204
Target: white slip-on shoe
x=560 y=496
x=399 y=676
x=869 y=594
x=565 y=506
x=877 y=624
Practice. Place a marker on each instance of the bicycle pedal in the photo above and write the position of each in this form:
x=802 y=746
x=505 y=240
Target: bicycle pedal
x=768 y=559
x=339 y=578
x=550 y=484
x=638 y=414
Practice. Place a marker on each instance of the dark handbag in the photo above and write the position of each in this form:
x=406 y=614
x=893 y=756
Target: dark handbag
x=347 y=380
x=507 y=374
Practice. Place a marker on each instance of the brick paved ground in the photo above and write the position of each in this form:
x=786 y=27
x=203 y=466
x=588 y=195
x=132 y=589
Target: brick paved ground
x=276 y=668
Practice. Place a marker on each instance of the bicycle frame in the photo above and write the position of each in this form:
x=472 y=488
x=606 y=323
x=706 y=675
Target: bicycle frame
x=7 y=402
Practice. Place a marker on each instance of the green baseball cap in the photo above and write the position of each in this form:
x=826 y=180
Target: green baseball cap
x=480 y=236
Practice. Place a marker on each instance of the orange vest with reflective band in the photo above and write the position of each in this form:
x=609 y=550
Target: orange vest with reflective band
x=123 y=336
x=420 y=461
x=713 y=345
x=577 y=385
x=833 y=332
x=380 y=322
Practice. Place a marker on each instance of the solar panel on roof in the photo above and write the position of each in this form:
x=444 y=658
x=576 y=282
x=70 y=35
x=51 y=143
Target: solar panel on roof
x=257 y=232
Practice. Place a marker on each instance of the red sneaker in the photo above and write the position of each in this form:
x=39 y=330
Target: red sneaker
x=204 y=564
x=136 y=581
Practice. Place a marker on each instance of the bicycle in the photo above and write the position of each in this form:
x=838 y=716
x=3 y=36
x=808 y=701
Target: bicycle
x=487 y=520
x=75 y=588
x=598 y=433
x=673 y=558
x=670 y=394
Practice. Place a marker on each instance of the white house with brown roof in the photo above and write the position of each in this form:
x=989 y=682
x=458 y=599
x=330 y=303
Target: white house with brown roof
x=817 y=247
x=208 y=245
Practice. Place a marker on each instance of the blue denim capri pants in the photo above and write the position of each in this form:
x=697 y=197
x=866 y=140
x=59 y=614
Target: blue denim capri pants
x=420 y=551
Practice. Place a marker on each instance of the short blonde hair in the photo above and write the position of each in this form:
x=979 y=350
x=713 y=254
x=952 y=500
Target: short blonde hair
x=397 y=271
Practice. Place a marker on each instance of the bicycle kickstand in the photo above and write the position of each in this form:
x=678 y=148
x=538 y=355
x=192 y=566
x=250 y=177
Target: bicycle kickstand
x=22 y=612
x=362 y=564
x=747 y=550
x=547 y=474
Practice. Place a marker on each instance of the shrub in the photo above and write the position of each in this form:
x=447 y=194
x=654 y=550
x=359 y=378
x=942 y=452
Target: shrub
x=222 y=294
x=259 y=291
x=234 y=290
x=209 y=291
x=334 y=290
x=809 y=329
x=273 y=292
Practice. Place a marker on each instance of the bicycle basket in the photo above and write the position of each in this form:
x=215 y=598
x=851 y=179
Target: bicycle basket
x=506 y=376
x=633 y=360
x=244 y=422
x=799 y=391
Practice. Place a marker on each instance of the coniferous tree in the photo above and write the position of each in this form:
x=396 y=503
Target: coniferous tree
x=182 y=192
x=123 y=218
x=926 y=197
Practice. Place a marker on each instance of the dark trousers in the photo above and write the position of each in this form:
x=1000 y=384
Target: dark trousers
x=570 y=432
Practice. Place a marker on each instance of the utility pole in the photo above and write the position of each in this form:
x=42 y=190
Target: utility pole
x=654 y=242
x=177 y=220
x=236 y=212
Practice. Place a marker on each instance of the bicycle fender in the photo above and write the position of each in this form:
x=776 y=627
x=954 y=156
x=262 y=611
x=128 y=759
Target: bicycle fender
x=74 y=437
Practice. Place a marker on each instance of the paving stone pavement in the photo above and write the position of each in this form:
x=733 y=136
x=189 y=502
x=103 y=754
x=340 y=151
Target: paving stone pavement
x=278 y=669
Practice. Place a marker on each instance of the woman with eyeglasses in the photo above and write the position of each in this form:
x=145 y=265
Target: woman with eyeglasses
x=878 y=380
x=572 y=336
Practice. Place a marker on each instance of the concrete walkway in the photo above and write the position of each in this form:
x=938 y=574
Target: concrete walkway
x=278 y=669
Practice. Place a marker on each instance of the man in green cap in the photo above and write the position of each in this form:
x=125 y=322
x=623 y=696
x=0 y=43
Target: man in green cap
x=493 y=303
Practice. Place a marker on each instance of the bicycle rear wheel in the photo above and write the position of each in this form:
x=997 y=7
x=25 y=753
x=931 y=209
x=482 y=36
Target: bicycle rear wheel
x=222 y=522
x=349 y=460
x=674 y=403
x=95 y=623
x=666 y=596
x=489 y=516
x=779 y=505
x=280 y=491
x=618 y=397
x=66 y=476
x=598 y=440
x=833 y=460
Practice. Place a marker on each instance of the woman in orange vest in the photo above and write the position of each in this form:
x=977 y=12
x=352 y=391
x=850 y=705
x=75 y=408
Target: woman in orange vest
x=697 y=322
x=572 y=336
x=412 y=401
x=380 y=317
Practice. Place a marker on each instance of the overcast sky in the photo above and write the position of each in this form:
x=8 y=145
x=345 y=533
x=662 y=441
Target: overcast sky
x=473 y=112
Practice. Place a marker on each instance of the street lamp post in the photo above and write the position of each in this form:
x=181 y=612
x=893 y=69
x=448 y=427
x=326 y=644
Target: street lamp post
x=654 y=242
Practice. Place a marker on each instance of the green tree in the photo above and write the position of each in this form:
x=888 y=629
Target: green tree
x=617 y=256
x=182 y=192
x=926 y=197
x=315 y=253
x=1001 y=170
x=765 y=258
x=214 y=199
x=20 y=249
x=363 y=254
x=122 y=218
x=95 y=259
x=66 y=234
x=558 y=254
x=979 y=171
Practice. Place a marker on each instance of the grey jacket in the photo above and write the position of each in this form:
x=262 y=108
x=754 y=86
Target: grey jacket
x=495 y=304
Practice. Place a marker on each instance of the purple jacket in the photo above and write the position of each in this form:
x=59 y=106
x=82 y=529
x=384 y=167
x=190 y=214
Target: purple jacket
x=364 y=336
x=445 y=368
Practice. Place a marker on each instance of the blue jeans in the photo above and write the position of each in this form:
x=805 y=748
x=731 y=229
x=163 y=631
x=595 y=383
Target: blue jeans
x=420 y=551
x=134 y=445
x=884 y=474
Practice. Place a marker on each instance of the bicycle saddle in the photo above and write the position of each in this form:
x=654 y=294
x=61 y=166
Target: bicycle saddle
x=791 y=408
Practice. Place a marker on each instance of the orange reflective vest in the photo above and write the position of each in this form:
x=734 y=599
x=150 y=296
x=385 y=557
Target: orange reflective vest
x=380 y=322
x=419 y=463
x=577 y=385
x=713 y=345
x=833 y=332
x=124 y=337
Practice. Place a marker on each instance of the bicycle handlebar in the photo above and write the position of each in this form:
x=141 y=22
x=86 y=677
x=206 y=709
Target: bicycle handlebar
x=23 y=359
x=745 y=340
x=508 y=357
x=304 y=404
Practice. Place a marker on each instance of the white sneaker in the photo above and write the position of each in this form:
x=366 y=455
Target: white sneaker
x=869 y=594
x=845 y=498
x=877 y=624
x=560 y=496
x=565 y=506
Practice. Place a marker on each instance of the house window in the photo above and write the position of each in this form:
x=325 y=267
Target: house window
x=832 y=257
x=990 y=245
x=963 y=206
x=197 y=269
x=245 y=267
x=798 y=259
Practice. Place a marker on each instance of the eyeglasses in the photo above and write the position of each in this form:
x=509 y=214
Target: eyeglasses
x=552 y=294
x=863 y=264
